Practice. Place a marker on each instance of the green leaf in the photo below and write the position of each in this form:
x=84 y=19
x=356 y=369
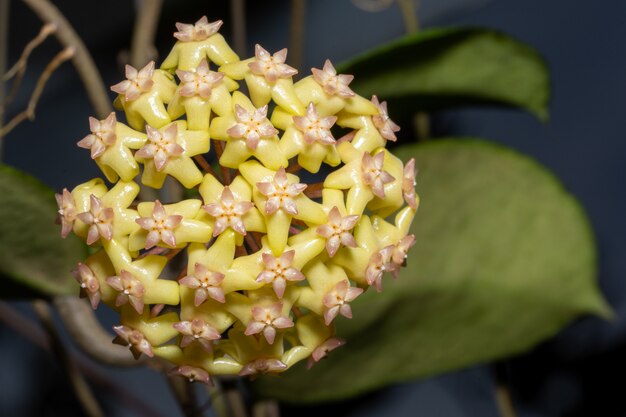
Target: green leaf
x=440 y=68
x=33 y=257
x=504 y=258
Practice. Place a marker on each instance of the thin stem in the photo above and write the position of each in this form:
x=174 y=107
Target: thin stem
x=19 y=68
x=252 y=243
x=238 y=17
x=84 y=328
x=502 y=392
x=204 y=164
x=293 y=168
x=26 y=328
x=296 y=32
x=4 y=52
x=235 y=401
x=314 y=190
x=266 y=408
x=29 y=113
x=409 y=14
x=184 y=394
x=142 y=47
x=82 y=60
x=81 y=388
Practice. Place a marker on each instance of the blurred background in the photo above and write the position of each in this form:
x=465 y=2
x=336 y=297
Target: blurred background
x=583 y=144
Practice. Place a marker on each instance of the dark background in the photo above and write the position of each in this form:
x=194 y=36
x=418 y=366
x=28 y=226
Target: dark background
x=578 y=373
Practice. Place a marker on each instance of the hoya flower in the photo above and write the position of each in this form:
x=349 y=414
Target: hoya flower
x=206 y=283
x=373 y=174
x=67 y=211
x=192 y=373
x=333 y=83
x=99 y=219
x=280 y=193
x=197 y=330
x=134 y=339
x=268 y=320
x=197 y=32
x=252 y=126
x=228 y=213
x=200 y=82
x=263 y=366
x=278 y=271
x=161 y=146
x=102 y=135
x=379 y=262
x=322 y=350
x=409 y=183
x=89 y=284
x=136 y=83
x=383 y=123
x=337 y=231
x=314 y=127
x=401 y=250
x=272 y=67
x=160 y=226
x=337 y=299
x=130 y=290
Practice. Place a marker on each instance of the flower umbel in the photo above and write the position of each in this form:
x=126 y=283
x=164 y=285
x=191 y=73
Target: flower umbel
x=249 y=272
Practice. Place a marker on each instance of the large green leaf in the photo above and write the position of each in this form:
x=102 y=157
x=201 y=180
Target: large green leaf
x=439 y=68
x=33 y=257
x=504 y=258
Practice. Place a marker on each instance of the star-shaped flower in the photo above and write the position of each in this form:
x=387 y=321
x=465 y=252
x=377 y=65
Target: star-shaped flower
x=280 y=193
x=401 y=251
x=409 y=183
x=197 y=330
x=373 y=174
x=314 y=127
x=263 y=366
x=337 y=231
x=89 y=284
x=200 y=82
x=197 y=32
x=252 y=126
x=161 y=146
x=379 y=262
x=134 y=339
x=337 y=299
x=102 y=135
x=322 y=350
x=272 y=67
x=136 y=83
x=99 y=219
x=130 y=289
x=160 y=226
x=110 y=143
x=192 y=373
x=206 y=283
x=197 y=42
x=169 y=151
x=383 y=123
x=278 y=271
x=67 y=211
x=228 y=213
x=267 y=320
x=332 y=83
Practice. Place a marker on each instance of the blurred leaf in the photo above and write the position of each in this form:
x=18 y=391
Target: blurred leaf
x=33 y=257
x=440 y=68
x=504 y=258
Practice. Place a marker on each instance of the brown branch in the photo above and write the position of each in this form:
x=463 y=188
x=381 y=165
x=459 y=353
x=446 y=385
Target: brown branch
x=238 y=17
x=34 y=334
x=142 y=47
x=314 y=190
x=296 y=32
x=82 y=390
x=84 y=328
x=19 y=68
x=204 y=164
x=82 y=59
x=252 y=243
x=29 y=113
x=4 y=53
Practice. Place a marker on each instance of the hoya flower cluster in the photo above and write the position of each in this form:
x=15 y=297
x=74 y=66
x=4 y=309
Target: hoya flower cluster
x=267 y=262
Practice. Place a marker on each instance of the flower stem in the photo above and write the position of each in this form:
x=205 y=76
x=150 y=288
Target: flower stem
x=238 y=15
x=81 y=388
x=296 y=32
x=142 y=47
